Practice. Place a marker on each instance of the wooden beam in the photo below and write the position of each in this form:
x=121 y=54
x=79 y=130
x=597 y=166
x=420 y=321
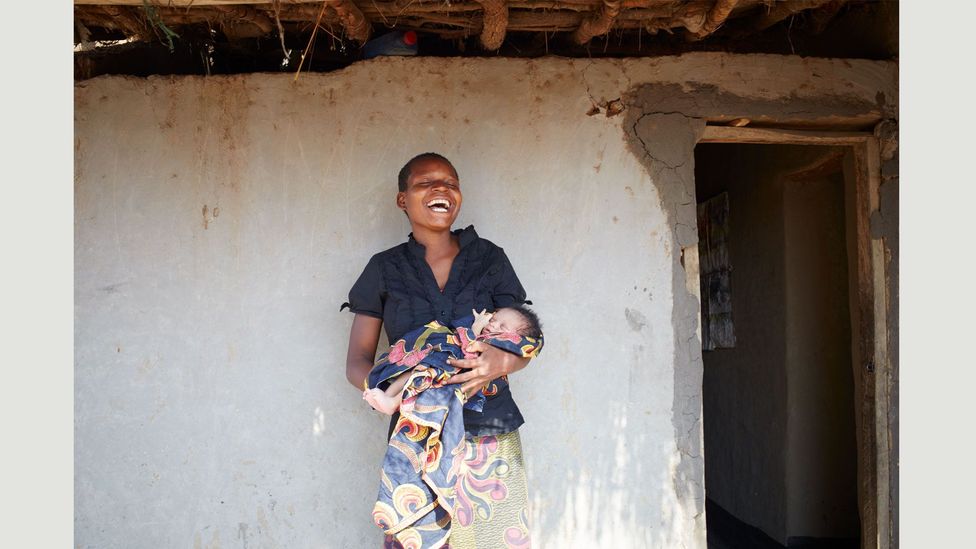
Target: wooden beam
x=716 y=16
x=495 y=23
x=356 y=25
x=764 y=136
x=538 y=21
x=234 y=14
x=868 y=306
x=585 y=19
x=824 y=15
x=129 y=21
x=868 y=159
x=177 y=3
x=691 y=16
x=782 y=10
x=598 y=23
x=386 y=5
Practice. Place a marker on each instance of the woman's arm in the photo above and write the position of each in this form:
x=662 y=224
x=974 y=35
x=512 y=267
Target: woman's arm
x=363 y=337
x=490 y=365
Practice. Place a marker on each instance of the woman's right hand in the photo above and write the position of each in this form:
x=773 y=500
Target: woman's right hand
x=363 y=338
x=490 y=364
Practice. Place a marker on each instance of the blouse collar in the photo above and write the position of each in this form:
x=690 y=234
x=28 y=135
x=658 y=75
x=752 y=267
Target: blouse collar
x=465 y=236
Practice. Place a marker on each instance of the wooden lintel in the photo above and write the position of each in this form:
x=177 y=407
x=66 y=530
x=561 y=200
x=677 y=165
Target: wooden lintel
x=730 y=134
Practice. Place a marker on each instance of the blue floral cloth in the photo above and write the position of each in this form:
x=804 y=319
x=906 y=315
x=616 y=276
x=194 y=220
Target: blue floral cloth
x=425 y=455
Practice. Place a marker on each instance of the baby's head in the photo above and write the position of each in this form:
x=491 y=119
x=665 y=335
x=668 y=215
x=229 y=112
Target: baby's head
x=516 y=318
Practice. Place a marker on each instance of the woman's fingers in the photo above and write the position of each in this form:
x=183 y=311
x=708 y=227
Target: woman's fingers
x=462 y=377
x=466 y=363
x=476 y=347
x=471 y=387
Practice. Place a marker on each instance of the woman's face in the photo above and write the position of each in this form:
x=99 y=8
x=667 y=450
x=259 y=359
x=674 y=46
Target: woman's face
x=433 y=196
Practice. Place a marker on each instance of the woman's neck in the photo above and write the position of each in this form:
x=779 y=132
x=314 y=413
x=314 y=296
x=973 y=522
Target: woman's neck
x=435 y=243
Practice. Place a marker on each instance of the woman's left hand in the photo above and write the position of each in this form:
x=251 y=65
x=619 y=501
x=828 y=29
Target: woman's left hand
x=490 y=365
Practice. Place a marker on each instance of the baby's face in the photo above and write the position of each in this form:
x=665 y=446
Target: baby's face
x=505 y=320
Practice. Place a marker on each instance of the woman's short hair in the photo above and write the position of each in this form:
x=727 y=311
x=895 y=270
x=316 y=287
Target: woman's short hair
x=408 y=167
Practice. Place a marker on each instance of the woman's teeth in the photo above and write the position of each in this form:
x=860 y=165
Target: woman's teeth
x=439 y=205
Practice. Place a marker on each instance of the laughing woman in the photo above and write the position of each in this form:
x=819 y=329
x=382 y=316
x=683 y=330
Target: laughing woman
x=442 y=274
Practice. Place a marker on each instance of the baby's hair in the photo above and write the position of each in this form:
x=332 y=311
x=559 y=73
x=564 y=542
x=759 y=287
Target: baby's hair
x=532 y=328
x=408 y=167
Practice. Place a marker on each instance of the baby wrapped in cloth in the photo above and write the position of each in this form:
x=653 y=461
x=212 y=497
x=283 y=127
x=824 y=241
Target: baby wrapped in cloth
x=416 y=498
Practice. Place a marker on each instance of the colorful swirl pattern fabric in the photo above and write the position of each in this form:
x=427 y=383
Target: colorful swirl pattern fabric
x=492 y=498
x=424 y=466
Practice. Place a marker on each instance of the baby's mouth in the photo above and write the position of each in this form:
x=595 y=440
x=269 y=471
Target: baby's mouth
x=439 y=205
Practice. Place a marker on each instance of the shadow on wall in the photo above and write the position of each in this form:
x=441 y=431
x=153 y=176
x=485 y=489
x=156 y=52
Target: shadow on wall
x=615 y=491
x=600 y=442
x=623 y=464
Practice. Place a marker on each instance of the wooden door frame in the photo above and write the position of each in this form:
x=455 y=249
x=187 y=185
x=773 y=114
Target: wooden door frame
x=869 y=315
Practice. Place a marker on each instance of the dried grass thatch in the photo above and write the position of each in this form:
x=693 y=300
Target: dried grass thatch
x=490 y=19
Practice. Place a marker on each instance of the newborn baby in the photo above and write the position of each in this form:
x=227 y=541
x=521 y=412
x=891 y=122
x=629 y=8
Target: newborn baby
x=507 y=323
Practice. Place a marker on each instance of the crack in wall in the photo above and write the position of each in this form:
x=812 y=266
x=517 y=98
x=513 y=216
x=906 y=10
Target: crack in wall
x=707 y=101
x=647 y=150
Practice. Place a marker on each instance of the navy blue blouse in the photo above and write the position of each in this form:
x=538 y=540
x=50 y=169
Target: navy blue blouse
x=398 y=287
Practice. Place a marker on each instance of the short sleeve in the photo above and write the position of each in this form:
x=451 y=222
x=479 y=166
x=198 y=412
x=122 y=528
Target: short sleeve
x=366 y=295
x=507 y=290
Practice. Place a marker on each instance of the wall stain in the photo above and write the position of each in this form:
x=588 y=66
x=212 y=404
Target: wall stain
x=112 y=288
x=209 y=215
x=146 y=366
x=242 y=533
x=635 y=319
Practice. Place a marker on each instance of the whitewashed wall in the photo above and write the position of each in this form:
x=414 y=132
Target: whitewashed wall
x=220 y=221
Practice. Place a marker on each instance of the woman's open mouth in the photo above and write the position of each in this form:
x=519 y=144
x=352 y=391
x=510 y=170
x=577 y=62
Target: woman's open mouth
x=439 y=205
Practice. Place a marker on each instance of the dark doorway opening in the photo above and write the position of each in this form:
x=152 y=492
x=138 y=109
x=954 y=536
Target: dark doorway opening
x=779 y=399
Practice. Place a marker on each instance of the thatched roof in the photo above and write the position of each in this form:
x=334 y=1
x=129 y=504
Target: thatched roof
x=481 y=25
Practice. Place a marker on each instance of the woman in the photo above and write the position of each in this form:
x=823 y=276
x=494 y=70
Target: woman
x=440 y=274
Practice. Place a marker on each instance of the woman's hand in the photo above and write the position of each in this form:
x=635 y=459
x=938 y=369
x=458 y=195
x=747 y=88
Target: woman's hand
x=490 y=365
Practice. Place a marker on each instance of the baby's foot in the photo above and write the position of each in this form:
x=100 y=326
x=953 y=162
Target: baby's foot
x=380 y=401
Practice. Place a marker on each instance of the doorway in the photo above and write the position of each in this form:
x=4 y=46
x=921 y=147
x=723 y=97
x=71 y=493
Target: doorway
x=780 y=398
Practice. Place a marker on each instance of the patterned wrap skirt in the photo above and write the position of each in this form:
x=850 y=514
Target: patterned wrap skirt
x=492 y=497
